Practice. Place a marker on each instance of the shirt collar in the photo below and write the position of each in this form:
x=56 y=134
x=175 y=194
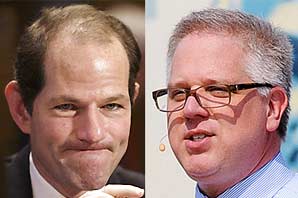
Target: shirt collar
x=264 y=182
x=40 y=187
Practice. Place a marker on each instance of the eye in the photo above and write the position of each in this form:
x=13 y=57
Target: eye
x=113 y=106
x=219 y=91
x=177 y=94
x=66 y=107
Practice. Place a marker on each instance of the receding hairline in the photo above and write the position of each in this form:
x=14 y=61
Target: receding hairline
x=79 y=20
x=59 y=47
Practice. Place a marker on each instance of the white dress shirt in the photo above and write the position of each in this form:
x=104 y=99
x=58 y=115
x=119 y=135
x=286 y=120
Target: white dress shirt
x=274 y=180
x=40 y=187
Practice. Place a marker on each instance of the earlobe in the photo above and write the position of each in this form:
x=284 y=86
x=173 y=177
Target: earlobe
x=136 y=93
x=16 y=107
x=277 y=105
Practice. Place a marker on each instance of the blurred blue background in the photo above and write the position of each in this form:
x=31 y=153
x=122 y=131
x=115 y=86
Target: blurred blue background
x=283 y=14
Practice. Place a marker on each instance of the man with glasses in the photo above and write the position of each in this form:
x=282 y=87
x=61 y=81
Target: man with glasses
x=227 y=104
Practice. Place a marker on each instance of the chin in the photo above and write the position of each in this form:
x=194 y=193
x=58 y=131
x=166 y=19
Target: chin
x=198 y=168
x=89 y=181
x=89 y=184
x=89 y=176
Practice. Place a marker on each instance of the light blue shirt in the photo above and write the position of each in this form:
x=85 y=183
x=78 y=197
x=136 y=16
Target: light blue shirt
x=274 y=179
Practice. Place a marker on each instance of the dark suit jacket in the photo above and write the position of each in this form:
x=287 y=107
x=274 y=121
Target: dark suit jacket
x=19 y=183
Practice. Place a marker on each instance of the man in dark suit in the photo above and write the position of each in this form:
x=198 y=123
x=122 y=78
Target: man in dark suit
x=73 y=91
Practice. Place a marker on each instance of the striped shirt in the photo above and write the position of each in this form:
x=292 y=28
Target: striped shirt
x=274 y=179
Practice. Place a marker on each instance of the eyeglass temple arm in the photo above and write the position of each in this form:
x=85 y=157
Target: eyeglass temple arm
x=238 y=87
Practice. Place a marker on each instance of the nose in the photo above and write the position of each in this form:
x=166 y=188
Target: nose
x=193 y=109
x=90 y=125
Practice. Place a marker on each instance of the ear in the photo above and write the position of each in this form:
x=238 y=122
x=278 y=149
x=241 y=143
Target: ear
x=136 y=93
x=277 y=105
x=16 y=107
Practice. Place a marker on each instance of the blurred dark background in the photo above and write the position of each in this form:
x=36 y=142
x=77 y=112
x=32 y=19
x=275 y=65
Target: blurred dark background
x=15 y=16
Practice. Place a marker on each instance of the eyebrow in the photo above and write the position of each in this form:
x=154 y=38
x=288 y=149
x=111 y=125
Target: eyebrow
x=63 y=98
x=185 y=84
x=72 y=99
x=117 y=97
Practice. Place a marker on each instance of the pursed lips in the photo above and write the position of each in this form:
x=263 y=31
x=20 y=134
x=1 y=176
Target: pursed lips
x=87 y=147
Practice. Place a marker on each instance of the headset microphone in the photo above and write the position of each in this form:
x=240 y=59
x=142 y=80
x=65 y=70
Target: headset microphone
x=162 y=146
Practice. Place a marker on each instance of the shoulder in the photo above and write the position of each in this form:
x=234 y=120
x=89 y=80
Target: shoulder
x=18 y=160
x=125 y=176
x=292 y=184
x=17 y=174
x=290 y=189
x=17 y=163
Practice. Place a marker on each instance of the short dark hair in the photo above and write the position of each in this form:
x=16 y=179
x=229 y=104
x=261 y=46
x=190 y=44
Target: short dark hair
x=85 y=21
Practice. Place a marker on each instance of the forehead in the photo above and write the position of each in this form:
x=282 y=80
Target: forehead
x=209 y=58
x=85 y=69
x=76 y=60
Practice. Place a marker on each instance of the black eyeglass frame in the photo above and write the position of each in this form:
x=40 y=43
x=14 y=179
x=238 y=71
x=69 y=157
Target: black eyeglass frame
x=192 y=92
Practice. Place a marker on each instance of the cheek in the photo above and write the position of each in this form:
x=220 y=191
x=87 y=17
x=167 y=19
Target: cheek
x=242 y=119
x=176 y=130
x=52 y=131
x=176 y=146
x=252 y=119
x=242 y=134
x=119 y=129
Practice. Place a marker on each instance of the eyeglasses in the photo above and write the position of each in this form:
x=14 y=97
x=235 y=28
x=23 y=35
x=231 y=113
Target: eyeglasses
x=208 y=96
